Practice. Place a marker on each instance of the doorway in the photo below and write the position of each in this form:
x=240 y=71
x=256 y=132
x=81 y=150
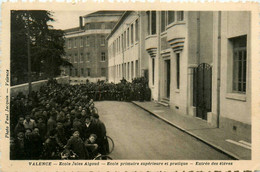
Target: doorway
x=167 y=78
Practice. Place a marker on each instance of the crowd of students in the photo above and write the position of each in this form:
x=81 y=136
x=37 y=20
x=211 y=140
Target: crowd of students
x=56 y=122
x=60 y=121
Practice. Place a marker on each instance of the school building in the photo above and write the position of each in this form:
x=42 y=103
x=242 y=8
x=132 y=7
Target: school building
x=197 y=62
x=86 y=46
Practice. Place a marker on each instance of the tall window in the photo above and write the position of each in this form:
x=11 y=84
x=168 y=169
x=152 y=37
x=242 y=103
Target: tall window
x=128 y=37
x=128 y=70
x=69 y=43
x=88 y=57
x=180 y=15
x=103 y=71
x=75 y=43
x=119 y=44
x=171 y=17
x=70 y=59
x=153 y=22
x=239 y=64
x=88 y=71
x=76 y=72
x=136 y=30
x=81 y=57
x=148 y=14
x=87 y=40
x=103 y=56
x=81 y=42
x=132 y=34
x=76 y=58
x=102 y=40
x=151 y=15
x=132 y=69
x=88 y=26
x=122 y=42
x=153 y=69
x=125 y=40
x=178 y=70
x=82 y=71
x=163 y=21
x=136 y=69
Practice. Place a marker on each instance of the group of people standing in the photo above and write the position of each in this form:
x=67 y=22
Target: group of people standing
x=56 y=122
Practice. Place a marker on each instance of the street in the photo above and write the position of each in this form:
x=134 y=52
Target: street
x=140 y=136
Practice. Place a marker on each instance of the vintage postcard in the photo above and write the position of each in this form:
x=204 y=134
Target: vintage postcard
x=130 y=86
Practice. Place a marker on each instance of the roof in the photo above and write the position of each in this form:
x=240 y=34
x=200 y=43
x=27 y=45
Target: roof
x=104 y=13
x=124 y=16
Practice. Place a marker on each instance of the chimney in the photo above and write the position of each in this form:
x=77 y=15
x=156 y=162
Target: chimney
x=81 y=22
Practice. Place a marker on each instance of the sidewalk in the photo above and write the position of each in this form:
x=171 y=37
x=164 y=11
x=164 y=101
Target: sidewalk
x=214 y=137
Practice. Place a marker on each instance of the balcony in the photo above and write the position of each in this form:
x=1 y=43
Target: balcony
x=151 y=43
x=176 y=33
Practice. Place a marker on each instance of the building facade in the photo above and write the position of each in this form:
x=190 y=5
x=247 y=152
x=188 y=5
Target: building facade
x=198 y=62
x=86 y=46
x=127 y=56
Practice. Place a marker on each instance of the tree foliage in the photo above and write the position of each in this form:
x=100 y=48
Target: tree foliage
x=46 y=46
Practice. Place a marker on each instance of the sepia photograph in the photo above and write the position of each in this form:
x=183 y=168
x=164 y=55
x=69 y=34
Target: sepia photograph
x=127 y=88
x=170 y=85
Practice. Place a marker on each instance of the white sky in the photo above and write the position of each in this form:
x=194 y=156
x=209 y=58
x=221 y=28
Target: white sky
x=67 y=19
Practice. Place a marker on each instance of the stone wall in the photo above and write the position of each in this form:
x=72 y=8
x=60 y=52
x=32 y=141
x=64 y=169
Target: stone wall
x=35 y=85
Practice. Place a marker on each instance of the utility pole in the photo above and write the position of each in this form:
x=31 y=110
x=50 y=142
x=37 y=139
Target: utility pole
x=29 y=55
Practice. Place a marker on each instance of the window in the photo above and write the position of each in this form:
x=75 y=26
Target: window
x=88 y=26
x=128 y=70
x=132 y=34
x=153 y=22
x=75 y=43
x=180 y=15
x=88 y=71
x=239 y=64
x=70 y=59
x=102 y=40
x=153 y=69
x=132 y=69
x=81 y=42
x=128 y=37
x=178 y=70
x=70 y=72
x=136 y=30
x=171 y=17
x=136 y=69
x=151 y=16
x=119 y=45
x=81 y=58
x=163 y=21
x=76 y=72
x=88 y=57
x=87 y=41
x=103 y=56
x=76 y=58
x=69 y=43
x=103 y=71
x=125 y=40
x=82 y=71
x=122 y=42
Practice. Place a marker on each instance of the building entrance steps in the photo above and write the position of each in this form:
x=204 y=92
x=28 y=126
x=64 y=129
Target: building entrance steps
x=218 y=138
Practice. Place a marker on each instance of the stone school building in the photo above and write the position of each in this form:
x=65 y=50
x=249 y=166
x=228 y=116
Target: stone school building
x=197 y=62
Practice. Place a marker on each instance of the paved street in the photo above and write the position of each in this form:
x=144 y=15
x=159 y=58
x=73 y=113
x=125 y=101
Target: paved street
x=139 y=135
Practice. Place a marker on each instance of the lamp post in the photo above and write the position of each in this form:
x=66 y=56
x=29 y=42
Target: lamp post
x=29 y=55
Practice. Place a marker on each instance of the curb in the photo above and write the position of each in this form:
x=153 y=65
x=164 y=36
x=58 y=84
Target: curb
x=218 y=148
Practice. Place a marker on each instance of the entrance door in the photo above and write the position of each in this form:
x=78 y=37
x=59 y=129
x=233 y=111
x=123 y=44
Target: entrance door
x=168 y=77
x=202 y=80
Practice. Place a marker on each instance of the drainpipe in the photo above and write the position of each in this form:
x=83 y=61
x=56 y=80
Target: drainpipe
x=198 y=38
x=219 y=68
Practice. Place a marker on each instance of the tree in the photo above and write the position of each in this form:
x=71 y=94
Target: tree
x=46 y=45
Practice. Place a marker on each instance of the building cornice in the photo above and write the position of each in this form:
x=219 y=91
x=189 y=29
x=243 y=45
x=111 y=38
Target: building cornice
x=89 y=32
